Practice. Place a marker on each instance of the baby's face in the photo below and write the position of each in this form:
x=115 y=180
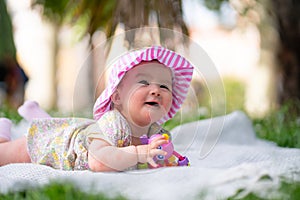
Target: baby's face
x=145 y=93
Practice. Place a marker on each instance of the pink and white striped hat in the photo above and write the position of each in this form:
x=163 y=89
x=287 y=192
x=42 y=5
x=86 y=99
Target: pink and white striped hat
x=182 y=71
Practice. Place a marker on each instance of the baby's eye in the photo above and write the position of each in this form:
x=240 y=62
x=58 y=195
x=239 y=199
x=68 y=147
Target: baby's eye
x=164 y=87
x=144 y=82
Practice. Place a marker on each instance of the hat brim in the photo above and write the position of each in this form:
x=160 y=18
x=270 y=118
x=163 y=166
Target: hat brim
x=182 y=71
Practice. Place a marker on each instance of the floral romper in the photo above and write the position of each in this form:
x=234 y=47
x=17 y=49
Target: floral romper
x=63 y=143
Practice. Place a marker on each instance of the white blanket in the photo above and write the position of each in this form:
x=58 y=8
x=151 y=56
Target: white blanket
x=225 y=157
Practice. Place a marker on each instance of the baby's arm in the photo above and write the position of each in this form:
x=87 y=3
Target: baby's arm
x=104 y=157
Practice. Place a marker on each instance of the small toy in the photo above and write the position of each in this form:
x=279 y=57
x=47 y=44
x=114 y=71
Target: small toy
x=166 y=160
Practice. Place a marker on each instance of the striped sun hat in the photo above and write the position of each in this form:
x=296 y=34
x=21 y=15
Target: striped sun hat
x=182 y=71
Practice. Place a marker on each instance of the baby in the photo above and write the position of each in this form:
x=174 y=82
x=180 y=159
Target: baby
x=146 y=88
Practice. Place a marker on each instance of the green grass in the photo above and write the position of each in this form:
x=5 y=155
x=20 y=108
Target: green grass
x=235 y=94
x=67 y=191
x=56 y=191
x=287 y=191
x=281 y=126
x=8 y=112
x=233 y=100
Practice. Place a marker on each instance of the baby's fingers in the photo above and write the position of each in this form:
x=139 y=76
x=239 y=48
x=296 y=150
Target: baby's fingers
x=153 y=153
x=158 y=142
x=152 y=163
x=156 y=152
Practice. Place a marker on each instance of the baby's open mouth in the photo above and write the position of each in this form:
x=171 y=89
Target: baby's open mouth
x=152 y=103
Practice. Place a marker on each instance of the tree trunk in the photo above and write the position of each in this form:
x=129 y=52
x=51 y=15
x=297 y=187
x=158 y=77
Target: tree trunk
x=288 y=25
x=12 y=76
x=54 y=96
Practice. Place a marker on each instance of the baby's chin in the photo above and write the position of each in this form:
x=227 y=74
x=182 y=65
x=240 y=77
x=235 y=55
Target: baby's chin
x=141 y=121
x=145 y=121
x=147 y=117
x=155 y=116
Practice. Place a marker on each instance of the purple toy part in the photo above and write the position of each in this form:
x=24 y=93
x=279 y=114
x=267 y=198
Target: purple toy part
x=168 y=147
x=183 y=162
x=144 y=139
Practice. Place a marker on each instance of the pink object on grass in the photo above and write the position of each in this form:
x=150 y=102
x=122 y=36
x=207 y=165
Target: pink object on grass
x=31 y=109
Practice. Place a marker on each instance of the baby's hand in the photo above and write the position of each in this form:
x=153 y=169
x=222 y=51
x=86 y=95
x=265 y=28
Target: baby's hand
x=146 y=152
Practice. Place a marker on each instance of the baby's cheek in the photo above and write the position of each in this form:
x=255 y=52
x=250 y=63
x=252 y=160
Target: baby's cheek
x=168 y=103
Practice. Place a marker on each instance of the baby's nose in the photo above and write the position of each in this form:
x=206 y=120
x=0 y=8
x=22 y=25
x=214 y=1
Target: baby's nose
x=155 y=90
x=155 y=94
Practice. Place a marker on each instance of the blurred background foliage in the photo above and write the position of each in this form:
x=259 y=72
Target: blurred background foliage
x=6 y=34
x=94 y=15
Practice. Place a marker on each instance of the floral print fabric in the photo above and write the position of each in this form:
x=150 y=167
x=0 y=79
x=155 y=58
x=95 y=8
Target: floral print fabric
x=113 y=128
x=59 y=143
x=63 y=143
